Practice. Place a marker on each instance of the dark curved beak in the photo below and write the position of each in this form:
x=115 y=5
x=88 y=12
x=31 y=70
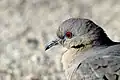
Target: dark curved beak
x=52 y=43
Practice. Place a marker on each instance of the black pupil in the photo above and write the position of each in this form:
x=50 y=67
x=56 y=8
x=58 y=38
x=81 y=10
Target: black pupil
x=69 y=34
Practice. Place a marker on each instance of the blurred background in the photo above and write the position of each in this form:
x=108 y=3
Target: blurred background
x=27 y=25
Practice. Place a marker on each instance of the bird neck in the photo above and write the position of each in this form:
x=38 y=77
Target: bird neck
x=103 y=41
x=99 y=37
x=72 y=57
x=68 y=57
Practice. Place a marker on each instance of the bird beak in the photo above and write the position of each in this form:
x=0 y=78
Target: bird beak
x=52 y=43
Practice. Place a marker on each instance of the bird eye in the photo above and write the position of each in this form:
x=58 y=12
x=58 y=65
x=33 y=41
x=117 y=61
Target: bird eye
x=68 y=34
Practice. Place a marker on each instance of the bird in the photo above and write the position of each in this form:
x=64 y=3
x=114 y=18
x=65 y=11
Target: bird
x=90 y=54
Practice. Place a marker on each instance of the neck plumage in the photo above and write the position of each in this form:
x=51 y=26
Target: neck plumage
x=98 y=37
x=67 y=57
x=90 y=40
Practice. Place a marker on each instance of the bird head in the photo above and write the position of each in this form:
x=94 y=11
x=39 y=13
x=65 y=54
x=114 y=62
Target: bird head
x=79 y=33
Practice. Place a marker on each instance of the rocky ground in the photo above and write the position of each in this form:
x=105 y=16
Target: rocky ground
x=27 y=25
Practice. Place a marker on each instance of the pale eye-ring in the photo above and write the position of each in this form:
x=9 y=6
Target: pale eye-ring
x=68 y=34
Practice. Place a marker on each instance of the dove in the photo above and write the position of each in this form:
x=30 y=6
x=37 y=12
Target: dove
x=90 y=54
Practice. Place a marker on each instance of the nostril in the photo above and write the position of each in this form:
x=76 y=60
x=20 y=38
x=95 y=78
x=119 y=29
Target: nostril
x=61 y=37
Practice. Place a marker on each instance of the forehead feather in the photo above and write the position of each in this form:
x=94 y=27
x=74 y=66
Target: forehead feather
x=75 y=25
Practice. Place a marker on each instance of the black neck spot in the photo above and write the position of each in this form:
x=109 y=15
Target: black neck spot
x=78 y=46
